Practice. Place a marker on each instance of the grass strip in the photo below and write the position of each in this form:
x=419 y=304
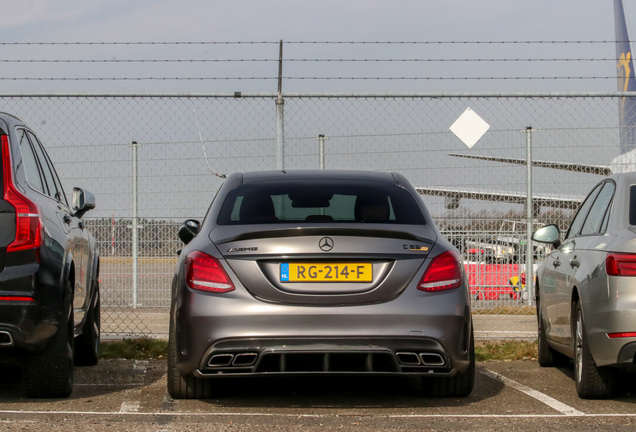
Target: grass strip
x=145 y=348
x=142 y=348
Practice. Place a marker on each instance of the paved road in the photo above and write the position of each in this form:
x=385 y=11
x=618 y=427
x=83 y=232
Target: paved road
x=126 y=395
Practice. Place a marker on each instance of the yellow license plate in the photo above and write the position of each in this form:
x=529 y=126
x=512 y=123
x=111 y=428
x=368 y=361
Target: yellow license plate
x=332 y=272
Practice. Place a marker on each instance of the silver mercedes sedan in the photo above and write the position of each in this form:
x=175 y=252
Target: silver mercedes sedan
x=301 y=273
x=586 y=289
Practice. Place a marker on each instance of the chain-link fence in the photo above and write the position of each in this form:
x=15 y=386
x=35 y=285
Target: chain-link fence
x=188 y=142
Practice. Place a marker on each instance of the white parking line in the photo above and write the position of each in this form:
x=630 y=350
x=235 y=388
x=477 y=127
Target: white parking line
x=19 y=421
x=132 y=404
x=168 y=404
x=129 y=407
x=194 y=414
x=141 y=366
x=108 y=384
x=541 y=397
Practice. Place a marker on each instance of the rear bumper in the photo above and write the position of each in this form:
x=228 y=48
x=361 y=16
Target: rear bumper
x=371 y=356
x=235 y=334
x=614 y=315
x=608 y=351
x=26 y=325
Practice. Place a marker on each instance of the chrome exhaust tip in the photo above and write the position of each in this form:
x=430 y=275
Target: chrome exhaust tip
x=244 y=359
x=6 y=339
x=432 y=359
x=408 y=358
x=221 y=360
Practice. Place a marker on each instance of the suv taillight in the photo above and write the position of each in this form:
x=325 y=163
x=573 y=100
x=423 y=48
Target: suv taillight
x=620 y=264
x=443 y=273
x=205 y=273
x=28 y=226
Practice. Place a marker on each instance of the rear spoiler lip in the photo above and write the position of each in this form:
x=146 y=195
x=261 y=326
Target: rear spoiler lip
x=324 y=231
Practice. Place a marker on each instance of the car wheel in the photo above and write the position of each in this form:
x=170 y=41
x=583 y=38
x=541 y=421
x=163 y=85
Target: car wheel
x=460 y=385
x=180 y=386
x=49 y=374
x=591 y=381
x=87 y=344
x=546 y=356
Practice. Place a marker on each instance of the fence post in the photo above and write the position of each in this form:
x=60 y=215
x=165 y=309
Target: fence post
x=529 y=224
x=135 y=243
x=280 y=145
x=321 y=151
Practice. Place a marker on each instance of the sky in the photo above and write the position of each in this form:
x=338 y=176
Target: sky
x=119 y=46
x=158 y=21
x=240 y=20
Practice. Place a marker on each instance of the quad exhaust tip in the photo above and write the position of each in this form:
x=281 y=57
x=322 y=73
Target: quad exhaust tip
x=420 y=359
x=248 y=359
x=233 y=360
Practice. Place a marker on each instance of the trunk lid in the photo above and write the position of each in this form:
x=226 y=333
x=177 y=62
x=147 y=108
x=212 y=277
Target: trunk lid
x=325 y=265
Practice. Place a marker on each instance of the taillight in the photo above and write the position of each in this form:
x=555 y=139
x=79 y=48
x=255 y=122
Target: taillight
x=205 y=273
x=16 y=299
x=617 y=264
x=621 y=335
x=28 y=227
x=443 y=273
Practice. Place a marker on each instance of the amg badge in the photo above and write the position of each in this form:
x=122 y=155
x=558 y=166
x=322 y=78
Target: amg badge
x=243 y=249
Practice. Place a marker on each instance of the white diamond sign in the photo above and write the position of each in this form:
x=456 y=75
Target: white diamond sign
x=469 y=127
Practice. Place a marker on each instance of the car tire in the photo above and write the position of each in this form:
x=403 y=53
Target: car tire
x=183 y=386
x=87 y=344
x=546 y=356
x=592 y=382
x=49 y=373
x=460 y=385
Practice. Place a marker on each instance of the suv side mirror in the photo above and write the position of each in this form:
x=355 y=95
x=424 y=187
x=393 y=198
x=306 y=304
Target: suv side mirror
x=548 y=234
x=83 y=201
x=189 y=230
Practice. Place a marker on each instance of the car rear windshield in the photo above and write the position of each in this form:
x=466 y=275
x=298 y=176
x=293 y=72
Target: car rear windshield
x=319 y=201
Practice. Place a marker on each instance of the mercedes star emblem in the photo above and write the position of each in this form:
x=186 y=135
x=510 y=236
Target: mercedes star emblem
x=325 y=244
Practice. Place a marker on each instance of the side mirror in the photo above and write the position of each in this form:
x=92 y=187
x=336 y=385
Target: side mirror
x=548 y=234
x=189 y=230
x=83 y=201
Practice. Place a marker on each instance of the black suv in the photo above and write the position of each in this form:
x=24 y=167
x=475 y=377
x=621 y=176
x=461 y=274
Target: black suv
x=49 y=291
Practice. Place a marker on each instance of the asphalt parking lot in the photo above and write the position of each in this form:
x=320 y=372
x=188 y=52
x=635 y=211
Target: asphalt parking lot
x=129 y=395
